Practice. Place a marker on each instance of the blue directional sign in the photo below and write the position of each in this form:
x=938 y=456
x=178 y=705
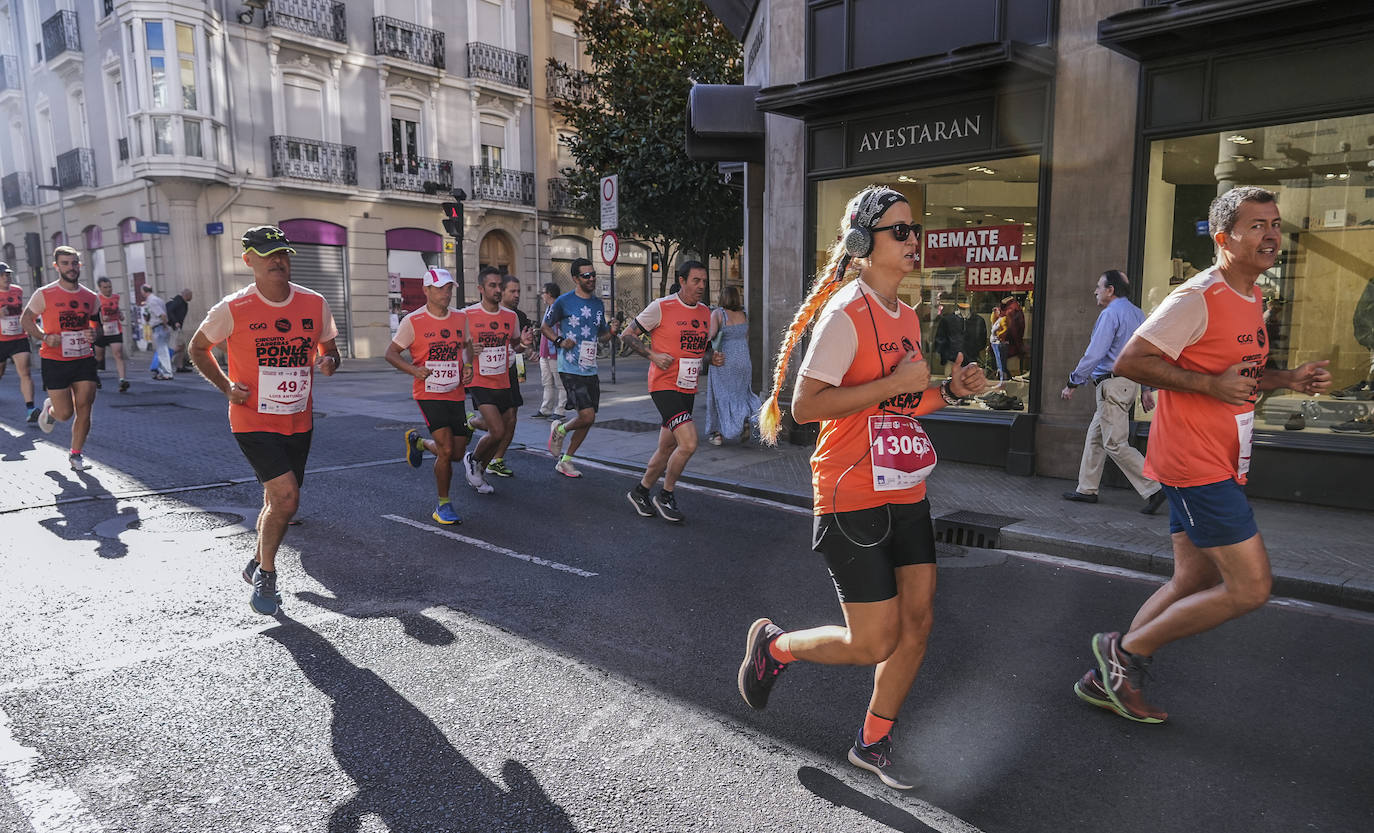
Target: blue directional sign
x=214 y=228
x=150 y=227
x=1201 y=226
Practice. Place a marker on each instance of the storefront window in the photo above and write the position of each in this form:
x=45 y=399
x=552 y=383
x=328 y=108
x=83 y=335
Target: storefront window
x=977 y=262
x=1319 y=296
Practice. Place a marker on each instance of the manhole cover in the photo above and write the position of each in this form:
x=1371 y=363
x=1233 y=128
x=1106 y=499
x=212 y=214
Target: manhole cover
x=632 y=426
x=182 y=524
x=191 y=521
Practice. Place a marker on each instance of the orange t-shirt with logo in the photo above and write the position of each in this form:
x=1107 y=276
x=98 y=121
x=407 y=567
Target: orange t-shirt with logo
x=682 y=332
x=1204 y=326
x=272 y=348
x=110 y=319
x=491 y=334
x=436 y=343
x=70 y=314
x=873 y=339
x=11 y=313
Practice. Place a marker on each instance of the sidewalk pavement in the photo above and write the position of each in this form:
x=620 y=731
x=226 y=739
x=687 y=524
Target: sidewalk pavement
x=1318 y=554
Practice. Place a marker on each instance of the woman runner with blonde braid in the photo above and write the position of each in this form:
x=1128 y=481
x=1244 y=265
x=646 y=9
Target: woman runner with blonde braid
x=865 y=380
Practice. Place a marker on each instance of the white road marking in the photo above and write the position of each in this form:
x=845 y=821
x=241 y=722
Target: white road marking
x=499 y=550
x=48 y=806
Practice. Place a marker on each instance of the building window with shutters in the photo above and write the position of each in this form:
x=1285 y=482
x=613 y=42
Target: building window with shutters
x=405 y=136
x=493 y=136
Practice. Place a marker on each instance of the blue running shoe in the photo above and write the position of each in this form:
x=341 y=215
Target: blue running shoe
x=445 y=514
x=415 y=452
x=265 y=599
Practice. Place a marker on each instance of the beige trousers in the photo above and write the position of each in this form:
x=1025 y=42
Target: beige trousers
x=1109 y=436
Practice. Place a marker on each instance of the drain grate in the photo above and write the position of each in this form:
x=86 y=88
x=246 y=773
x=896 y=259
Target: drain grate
x=632 y=426
x=972 y=529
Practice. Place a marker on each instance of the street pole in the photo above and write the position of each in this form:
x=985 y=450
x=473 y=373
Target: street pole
x=61 y=206
x=614 y=346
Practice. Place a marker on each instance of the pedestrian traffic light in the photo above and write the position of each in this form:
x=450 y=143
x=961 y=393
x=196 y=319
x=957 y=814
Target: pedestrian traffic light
x=655 y=263
x=453 y=218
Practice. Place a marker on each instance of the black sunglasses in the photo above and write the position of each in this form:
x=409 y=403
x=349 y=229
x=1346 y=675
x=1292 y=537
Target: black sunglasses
x=901 y=231
x=586 y=274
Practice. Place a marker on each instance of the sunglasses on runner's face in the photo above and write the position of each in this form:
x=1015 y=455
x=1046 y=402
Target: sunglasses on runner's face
x=585 y=275
x=901 y=231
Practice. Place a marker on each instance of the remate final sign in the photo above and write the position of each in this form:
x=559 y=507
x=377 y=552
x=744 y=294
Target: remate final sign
x=991 y=254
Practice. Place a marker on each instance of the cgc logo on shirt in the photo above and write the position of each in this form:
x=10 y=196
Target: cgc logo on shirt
x=282 y=325
x=258 y=325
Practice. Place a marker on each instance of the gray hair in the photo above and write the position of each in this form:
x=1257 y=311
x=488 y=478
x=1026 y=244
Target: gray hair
x=1222 y=214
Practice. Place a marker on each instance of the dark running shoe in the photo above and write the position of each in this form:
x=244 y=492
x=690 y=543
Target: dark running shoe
x=666 y=504
x=32 y=415
x=759 y=670
x=415 y=452
x=640 y=501
x=1154 y=502
x=1123 y=676
x=265 y=599
x=1090 y=690
x=876 y=757
x=123 y=385
x=250 y=570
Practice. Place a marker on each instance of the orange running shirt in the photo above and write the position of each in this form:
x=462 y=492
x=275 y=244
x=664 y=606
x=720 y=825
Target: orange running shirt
x=436 y=343
x=862 y=329
x=491 y=334
x=69 y=314
x=1204 y=326
x=109 y=316
x=11 y=312
x=682 y=332
x=272 y=349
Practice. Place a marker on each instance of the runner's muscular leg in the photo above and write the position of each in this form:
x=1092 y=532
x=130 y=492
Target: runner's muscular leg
x=667 y=442
x=686 y=437
x=1193 y=573
x=441 y=446
x=583 y=420
x=21 y=365
x=62 y=404
x=83 y=395
x=118 y=350
x=508 y=419
x=869 y=636
x=892 y=679
x=496 y=431
x=280 y=500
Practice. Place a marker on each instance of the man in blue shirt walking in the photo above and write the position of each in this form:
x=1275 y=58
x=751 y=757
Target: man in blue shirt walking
x=1109 y=431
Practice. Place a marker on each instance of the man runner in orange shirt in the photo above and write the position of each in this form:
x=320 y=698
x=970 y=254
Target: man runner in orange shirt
x=67 y=310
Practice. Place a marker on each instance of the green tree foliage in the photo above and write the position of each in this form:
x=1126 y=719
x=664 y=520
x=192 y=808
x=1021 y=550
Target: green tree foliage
x=631 y=121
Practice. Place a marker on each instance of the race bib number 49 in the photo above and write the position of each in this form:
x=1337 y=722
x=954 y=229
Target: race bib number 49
x=902 y=453
x=283 y=390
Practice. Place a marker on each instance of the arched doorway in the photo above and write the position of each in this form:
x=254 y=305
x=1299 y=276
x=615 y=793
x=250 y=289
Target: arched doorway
x=496 y=249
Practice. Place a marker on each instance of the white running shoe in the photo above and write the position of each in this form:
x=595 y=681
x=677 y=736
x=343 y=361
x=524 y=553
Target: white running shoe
x=78 y=462
x=485 y=489
x=472 y=470
x=45 y=417
x=566 y=468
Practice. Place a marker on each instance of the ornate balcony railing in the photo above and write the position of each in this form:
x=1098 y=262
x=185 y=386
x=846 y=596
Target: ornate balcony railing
x=561 y=197
x=501 y=185
x=400 y=39
x=567 y=86
x=60 y=35
x=18 y=190
x=421 y=174
x=314 y=160
x=76 y=169
x=318 y=18
x=496 y=64
x=9 y=73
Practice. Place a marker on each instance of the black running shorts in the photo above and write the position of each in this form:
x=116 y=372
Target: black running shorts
x=59 y=374
x=516 y=399
x=445 y=413
x=500 y=397
x=271 y=455
x=674 y=407
x=864 y=548
x=8 y=349
x=102 y=340
x=583 y=391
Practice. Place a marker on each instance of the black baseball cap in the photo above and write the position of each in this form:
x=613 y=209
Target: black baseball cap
x=265 y=240
x=5 y=267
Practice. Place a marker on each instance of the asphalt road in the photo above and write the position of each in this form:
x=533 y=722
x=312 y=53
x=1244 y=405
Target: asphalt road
x=559 y=663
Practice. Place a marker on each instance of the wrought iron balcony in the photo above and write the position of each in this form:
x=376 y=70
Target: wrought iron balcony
x=421 y=174
x=568 y=85
x=60 y=35
x=496 y=64
x=317 y=18
x=314 y=160
x=76 y=169
x=562 y=200
x=400 y=39
x=500 y=185
x=18 y=190
x=9 y=73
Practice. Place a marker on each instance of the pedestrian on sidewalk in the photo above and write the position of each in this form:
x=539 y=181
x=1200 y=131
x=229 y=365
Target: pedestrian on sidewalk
x=156 y=311
x=1204 y=348
x=731 y=403
x=865 y=380
x=679 y=327
x=68 y=313
x=1109 y=431
x=14 y=342
x=441 y=366
x=550 y=384
x=576 y=323
x=276 y=334
x=177 y=307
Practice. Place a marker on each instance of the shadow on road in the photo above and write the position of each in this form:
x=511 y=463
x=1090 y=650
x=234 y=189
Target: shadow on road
x=826 y=786
x=69 y=528
x=407 y=772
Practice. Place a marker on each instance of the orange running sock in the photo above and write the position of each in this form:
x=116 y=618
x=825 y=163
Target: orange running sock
x=779 y=653
x=876 y=728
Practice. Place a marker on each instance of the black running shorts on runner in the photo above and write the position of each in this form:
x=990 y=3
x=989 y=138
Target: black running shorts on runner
x=516 y=399
x=674 y=407
x=59 y=374
x=583 y=391
x=9 y=349
x=500 y=397
x=102 y=340
x=864 y=548
x=445 y=413
x=272 y=455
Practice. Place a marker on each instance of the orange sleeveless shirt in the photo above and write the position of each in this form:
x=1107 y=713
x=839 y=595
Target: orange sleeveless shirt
x=438 y=344
x=11 y=311
x=491 y=334
x=69 y=314
x=683 y=333
x=110 y=324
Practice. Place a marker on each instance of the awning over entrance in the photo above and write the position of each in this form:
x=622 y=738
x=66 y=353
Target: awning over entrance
x=1187 y=27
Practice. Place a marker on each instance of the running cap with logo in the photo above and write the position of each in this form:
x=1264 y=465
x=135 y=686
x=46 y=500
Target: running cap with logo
x=5 y=267
x=437 y=277
x=265 y=240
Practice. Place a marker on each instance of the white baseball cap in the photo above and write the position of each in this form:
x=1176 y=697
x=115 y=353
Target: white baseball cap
x=437 y=277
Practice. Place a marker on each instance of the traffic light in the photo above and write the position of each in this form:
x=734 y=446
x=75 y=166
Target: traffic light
x=655 y=264
x=453 y=218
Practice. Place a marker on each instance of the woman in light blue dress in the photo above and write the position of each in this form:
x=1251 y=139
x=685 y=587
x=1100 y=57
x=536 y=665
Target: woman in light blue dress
x=732 y=407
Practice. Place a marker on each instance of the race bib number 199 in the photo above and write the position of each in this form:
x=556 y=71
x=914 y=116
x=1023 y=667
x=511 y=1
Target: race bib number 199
x=687 y=372
x=283 y=390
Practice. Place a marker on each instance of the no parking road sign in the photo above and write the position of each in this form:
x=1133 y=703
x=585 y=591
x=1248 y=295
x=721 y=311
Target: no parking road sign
x=610 y=203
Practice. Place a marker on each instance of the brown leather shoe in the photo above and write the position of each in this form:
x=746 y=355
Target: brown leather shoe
x=1123 y=677
x=1153 y=502
x=1079 y=497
